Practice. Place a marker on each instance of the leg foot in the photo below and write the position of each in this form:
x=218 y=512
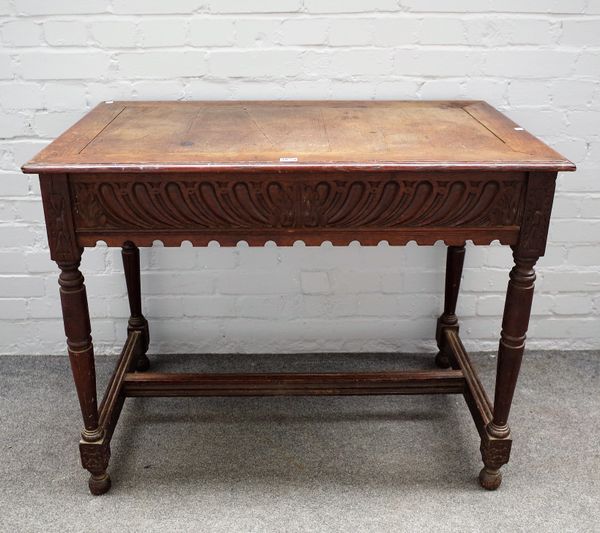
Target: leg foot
x=99 y=484
x=442 y=360
x=143 y=363
x=490 y=478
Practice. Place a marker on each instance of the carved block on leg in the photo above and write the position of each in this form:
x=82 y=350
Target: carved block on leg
x=495 y=453
x=141 y=324
x=443 y=357
x=94 y=458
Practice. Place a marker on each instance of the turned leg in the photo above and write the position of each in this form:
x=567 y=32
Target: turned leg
x=95 y=451
x=454 y=264
x=495 y=446
x=131 y=265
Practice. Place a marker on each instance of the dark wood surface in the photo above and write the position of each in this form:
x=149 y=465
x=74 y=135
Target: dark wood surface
x=130 y=173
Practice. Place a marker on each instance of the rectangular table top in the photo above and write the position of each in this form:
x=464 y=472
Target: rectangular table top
x=373 y=135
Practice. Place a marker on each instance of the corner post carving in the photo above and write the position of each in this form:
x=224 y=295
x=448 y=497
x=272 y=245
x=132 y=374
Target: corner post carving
x=76 y=319
x=495 y=446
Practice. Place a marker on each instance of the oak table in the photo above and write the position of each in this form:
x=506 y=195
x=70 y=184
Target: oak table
x=130 y=173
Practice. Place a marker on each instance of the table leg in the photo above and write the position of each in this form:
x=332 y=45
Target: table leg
x=131 y=265
x=94 y=449
x=496 y=444
x=454 y=265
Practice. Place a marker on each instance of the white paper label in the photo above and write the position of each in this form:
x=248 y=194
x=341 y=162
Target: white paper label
x=288 y=159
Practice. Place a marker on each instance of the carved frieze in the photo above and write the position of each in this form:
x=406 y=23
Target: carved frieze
x=279 y=203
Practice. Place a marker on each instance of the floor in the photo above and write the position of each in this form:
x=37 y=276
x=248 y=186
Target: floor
x=302 y=464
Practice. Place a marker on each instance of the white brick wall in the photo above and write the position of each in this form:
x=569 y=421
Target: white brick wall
x=538 y=60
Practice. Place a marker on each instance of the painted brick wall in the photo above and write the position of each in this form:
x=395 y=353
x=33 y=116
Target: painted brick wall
x=538 y=60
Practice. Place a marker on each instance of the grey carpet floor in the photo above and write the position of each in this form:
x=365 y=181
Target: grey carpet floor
x=302 y=464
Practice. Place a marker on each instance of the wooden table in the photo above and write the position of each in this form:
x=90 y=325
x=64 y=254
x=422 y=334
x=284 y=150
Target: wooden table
x=130 y=173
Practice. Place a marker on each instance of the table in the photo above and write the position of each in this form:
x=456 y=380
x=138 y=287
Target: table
x=130 y=173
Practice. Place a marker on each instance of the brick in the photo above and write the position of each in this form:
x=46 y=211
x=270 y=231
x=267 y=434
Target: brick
x=6 y=69
x=257 y=33
x=580 y=32
x=21 y=33
x=162 y=64
x=389 y=90
x=590 y=207
x=29 y=211
x=12 y=262
x=49 y=65
x=164 y=306
x=350 y=32
x=40 y=262
x=257 y=257
x=498 y=31
x=183 y=258
x=529 y=63
x=395 y=31
x=584 y=256
x=114 y=33
x=211 y=32
x=14 y=124
x=260 y=307
x=258 y=282
x=13 y=184
x=566 y=207
x=360 y=62
x=65 y=33
x=494 y=90
x=348 y=281
x=314 y=282
x=20 y=95
x=583 y=123
x=162 y=32
x=42 y=7
x=16 y=236
x=12 y=308
x=427 y=62
x=64 y=96
x=574 y=230
x=209 y=306
x=156 y=90
x=309 y=31
x=116 y=90
x=44 y=308
x=587 y=63
x=441 y=89
x=569 y=93
x=297 y=90
x=178 y=283
x=140 y=7
x=541 y=122
x=529 y=92
x=6 y=7
x=258 y=6
x=21 y=286
x=573 y=281
x=440 y=31
x=53 y=124
x=349 y=6
x=572 y=304
x=259 y=63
